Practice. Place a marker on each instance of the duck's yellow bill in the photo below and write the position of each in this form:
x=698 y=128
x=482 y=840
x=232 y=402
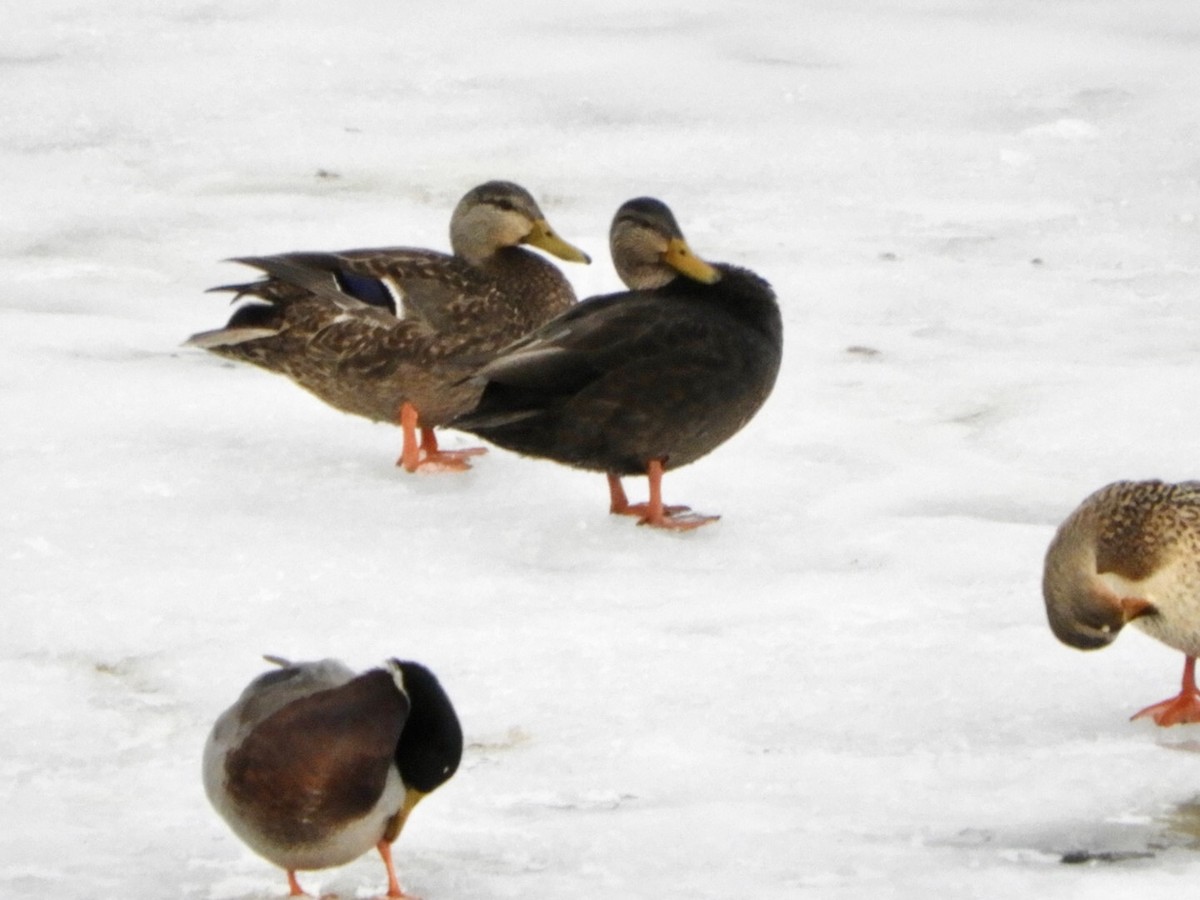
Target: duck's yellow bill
x=680 y=258
x=543 y=237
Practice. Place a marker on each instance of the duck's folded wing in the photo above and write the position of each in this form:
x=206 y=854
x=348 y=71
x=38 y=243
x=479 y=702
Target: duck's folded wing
x=316 y=273
x=597 y=338
x=323 y=759
x=577 y=346
x=440 y=289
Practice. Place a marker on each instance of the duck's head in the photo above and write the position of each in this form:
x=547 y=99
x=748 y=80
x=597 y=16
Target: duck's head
x=502 y=214
x=648 y=248
x=431 y=744
x=1083 y=610
x=1091 y=619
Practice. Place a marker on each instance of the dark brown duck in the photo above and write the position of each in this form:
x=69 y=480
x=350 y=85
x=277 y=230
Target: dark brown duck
x=643 y=381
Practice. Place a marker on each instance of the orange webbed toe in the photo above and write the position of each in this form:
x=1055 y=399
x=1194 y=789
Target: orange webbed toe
x=426 y=457
x=1183 y=709
x=684 y=521
x=654 y=512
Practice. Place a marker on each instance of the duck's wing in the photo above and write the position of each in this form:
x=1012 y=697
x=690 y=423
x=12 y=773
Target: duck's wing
x=581 y=344
x=336 y=309
x=442 y=290
x=415 y=282
x=292 y=681
x=381 y=286
x=324 y=276
x=322 y=759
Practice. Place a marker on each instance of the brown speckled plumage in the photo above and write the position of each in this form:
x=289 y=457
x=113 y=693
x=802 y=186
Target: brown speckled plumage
x=370 y=330
x=1141 y=525
x=367 y=362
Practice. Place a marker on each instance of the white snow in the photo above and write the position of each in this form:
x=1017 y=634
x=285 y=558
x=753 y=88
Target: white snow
x=981 y=220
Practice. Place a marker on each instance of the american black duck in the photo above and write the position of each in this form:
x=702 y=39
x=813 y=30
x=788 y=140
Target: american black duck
x=639 y=382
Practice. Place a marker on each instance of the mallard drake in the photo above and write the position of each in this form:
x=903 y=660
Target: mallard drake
x=315 y=765
x=1131 y=554
x=639 y=382
x=388 y=333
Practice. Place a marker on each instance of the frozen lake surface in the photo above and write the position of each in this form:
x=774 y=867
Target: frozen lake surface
x=981 y=219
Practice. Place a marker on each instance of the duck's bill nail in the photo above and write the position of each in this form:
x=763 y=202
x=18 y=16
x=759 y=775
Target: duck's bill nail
x=680 y=258
x=543 y=237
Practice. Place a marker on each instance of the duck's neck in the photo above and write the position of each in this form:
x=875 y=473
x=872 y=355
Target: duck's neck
x=537 y=286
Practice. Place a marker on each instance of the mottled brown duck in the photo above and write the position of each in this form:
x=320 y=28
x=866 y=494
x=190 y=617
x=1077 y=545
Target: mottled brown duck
x=1131 y=554
x=389 y=333
x=315 y=765
x=640 y=382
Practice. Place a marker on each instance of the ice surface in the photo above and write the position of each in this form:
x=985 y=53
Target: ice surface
x=981 y=219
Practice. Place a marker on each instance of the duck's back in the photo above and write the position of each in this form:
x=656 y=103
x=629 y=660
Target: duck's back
x=1139 y=526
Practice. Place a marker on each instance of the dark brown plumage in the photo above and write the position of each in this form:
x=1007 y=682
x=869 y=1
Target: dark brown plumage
x=389 y=333
x=639 y=382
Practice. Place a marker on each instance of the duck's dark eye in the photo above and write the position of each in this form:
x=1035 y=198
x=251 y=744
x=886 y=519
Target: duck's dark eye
x=506 y=205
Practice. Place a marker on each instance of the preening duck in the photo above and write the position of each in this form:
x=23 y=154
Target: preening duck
x=1130 y=554
x=315 y=765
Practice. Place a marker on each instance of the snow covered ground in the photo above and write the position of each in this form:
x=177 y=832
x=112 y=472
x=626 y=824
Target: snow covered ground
x=981 y=218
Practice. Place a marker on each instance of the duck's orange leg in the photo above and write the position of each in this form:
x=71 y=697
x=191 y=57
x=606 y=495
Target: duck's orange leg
x=424 y=454
x=294 y=889
x=1181 y=709
x=619 y=504
x=659 y=516
x=385 y=850
x=410 y=453
x=455 y=460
